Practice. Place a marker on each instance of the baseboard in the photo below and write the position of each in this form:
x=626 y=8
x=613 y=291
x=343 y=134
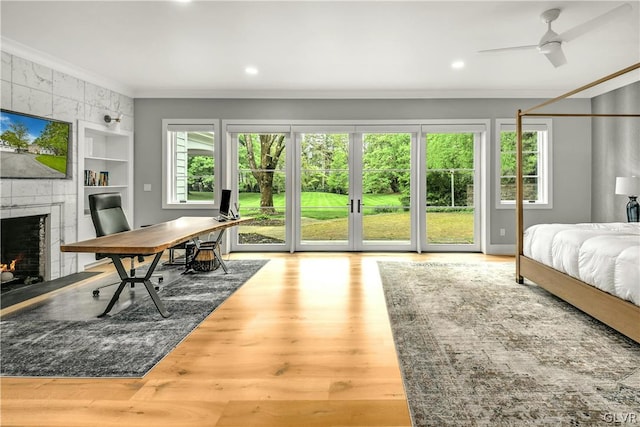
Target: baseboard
x=500 y=250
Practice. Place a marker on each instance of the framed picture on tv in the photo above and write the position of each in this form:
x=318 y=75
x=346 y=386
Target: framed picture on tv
x=34 y=147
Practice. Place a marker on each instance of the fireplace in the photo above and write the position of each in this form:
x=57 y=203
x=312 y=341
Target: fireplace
x=23 y=253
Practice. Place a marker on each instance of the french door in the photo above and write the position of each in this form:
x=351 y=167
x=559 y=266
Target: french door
x=354 y=189
x=262 y=182
x=450 y=187
x=357 y=188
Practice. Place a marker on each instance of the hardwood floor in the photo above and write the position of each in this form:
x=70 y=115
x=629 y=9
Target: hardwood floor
x=305 y=342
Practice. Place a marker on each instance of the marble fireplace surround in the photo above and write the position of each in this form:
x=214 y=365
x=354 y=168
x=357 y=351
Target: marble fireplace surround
x=40 y=85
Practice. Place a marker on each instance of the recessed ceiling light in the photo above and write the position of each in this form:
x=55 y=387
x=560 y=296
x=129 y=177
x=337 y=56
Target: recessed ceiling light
x=457 y=65
x=252 y=71
x=183 y=1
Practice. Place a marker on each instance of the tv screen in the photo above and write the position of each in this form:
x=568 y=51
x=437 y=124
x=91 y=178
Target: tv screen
x=34 y=147
x=225 y=202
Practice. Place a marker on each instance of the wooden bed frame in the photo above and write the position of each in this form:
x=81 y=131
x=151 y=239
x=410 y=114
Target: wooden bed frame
x=615 y=312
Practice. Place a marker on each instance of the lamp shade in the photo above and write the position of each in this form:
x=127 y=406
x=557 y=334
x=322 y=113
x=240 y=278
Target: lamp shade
x=628 y=185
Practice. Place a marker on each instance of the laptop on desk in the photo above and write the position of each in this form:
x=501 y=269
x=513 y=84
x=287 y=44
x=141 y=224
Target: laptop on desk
x=225 y=207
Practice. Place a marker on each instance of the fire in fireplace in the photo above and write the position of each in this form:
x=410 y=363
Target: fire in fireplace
x=6 y=271
x=23 y=251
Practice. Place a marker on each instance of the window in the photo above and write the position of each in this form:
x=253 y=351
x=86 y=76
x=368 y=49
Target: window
x=189 y=159
x=536 y=160
x=452 y=186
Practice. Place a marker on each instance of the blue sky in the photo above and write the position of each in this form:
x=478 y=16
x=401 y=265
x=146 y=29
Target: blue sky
x=35 y=125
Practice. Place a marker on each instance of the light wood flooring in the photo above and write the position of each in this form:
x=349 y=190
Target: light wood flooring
x=305 y=342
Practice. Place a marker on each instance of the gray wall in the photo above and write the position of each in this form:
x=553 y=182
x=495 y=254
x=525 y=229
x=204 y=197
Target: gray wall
x=616 y=151
x=571 y=147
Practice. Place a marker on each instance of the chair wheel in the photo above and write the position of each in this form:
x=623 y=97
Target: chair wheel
x=157 y=288
x=96 y=293
x=160 y=279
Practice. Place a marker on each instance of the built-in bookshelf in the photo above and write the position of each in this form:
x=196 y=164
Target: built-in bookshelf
x=105 y=165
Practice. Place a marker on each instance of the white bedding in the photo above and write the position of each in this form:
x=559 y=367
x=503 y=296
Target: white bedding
x=606 y=256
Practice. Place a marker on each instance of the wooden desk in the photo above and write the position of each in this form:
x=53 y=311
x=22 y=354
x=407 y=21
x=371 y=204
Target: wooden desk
x=152 y=240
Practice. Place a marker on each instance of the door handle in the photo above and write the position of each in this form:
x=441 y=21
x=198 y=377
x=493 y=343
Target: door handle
x=351 y=205
x=359 y=205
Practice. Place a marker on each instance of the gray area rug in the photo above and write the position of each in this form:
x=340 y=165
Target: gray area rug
x=127 y=344
x=477 y=349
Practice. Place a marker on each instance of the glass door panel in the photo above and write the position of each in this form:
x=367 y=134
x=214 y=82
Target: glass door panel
x=386 y=188
x=262 y=184
x=324 y=190
x=450 y=185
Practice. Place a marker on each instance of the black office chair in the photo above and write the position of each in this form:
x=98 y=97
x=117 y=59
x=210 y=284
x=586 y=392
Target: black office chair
x=109 y=218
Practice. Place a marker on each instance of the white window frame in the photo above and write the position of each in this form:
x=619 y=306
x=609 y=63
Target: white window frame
x=544 y=127
x=480 y=129
x=233 y=129
x=168 y=166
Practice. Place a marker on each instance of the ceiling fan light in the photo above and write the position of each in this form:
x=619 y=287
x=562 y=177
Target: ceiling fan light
x=549 y=47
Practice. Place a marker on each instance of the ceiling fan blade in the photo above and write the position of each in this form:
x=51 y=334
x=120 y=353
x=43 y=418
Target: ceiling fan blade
x=556 y=57
x=594 y=23
x=509 y=49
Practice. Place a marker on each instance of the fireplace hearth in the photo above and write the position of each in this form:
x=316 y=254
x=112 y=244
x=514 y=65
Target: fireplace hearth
x=23 y=250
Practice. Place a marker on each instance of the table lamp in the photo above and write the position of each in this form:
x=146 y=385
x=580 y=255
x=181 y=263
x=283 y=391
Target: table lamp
x=630 y=186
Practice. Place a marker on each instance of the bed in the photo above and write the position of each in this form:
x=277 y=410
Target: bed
x=594 y=267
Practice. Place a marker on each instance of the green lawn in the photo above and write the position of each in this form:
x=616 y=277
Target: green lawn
x=325 y=217
x=199 y=196
x=449 y=227
x=318 y=205
x=58 y=163
x=443 y=228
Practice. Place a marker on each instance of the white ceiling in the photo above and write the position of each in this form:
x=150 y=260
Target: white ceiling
x=363 y=49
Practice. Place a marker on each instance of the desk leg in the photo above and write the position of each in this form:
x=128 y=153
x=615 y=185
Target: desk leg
x=115 y=296
x=122 y=272
x=151 y=289
x=216 y=251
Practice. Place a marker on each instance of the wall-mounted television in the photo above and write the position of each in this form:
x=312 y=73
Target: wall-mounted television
x=34 y=147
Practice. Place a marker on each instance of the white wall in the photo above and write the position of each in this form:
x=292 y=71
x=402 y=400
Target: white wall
x=28 y=87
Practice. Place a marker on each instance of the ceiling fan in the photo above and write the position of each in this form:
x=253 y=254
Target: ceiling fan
x=551 y=42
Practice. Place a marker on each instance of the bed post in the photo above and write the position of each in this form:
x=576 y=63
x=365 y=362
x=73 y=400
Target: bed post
x=519 y=197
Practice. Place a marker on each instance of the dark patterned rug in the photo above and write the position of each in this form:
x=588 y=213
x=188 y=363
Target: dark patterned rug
x=127 y=344
x=477 y=349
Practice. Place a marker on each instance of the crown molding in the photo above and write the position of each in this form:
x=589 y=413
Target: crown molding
x=18 y=49
x=348 y=94
x=603 y=88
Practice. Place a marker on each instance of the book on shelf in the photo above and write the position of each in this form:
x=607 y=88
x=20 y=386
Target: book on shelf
x=93 y=178
x=103 y=178
x=90 y=178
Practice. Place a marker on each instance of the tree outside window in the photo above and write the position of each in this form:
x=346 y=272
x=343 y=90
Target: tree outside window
x=536 y=163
